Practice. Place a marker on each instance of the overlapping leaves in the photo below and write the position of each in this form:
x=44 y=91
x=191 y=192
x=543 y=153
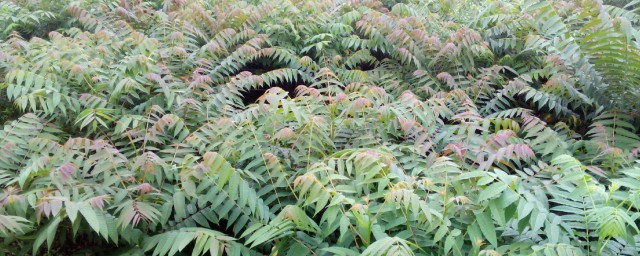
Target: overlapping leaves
x=322 y=127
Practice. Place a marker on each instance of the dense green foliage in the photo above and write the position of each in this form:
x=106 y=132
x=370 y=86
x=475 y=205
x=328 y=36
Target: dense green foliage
x=428 y=127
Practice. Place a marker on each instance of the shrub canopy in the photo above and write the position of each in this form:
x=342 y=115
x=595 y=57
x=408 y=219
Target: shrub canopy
x=324 y=127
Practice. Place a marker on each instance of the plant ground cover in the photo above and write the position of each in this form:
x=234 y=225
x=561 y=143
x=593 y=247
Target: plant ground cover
x=324 y=127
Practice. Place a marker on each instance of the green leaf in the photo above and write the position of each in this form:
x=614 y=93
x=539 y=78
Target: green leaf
x=492 y=191
x=90 y=216
x=487 y=227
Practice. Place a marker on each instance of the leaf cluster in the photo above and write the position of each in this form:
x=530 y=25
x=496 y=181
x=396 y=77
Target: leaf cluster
x=323 y=127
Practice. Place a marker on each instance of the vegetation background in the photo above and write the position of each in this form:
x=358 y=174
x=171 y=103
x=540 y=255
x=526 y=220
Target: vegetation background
x=324 y=127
